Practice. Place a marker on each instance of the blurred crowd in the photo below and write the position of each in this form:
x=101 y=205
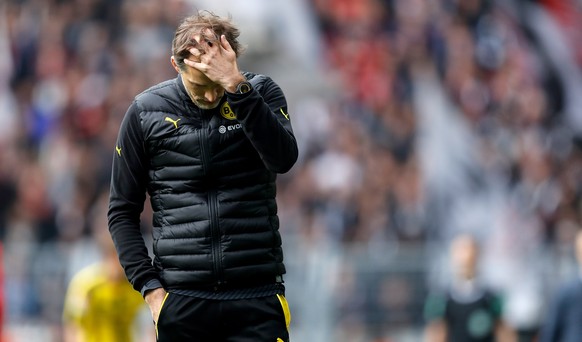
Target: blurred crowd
x=452 y=116
x=437 y=116
x=72 y=68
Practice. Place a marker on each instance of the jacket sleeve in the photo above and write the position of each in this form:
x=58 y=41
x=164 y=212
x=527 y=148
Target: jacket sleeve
x=126 y=201
x=263 y=115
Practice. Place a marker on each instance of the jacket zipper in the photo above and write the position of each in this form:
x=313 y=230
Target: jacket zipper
x=212 y=204
x=215 y=233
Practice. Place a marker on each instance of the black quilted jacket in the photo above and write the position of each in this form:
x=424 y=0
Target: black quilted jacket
x=210 y=175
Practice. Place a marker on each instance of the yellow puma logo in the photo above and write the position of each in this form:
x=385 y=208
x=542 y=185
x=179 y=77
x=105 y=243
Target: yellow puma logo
x=118 y=149
x=175 y=122
x=280 y=340
x=285 y=115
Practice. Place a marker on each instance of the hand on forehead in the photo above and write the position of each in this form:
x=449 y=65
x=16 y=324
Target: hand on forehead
x=202 y=41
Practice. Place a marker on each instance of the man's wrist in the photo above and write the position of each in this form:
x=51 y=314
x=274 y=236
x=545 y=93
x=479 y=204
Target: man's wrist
x=154 y=296
x=232 y=86
x=150 y=285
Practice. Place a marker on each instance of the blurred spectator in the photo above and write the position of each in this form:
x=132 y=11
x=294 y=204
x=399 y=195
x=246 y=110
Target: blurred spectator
x=562 y=320
x=100 y=305
x=468 y=311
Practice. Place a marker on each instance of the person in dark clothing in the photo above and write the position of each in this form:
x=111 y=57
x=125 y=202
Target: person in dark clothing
x=563 y=322
x=206 y=146
x=468 y=311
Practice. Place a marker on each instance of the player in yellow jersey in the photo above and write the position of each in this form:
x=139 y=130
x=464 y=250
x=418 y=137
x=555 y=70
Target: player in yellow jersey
x=100 y=304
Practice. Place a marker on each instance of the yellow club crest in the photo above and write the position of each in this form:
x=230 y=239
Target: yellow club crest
x=227 y=112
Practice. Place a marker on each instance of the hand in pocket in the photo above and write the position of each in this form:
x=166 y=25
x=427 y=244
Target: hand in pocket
x=155 y=300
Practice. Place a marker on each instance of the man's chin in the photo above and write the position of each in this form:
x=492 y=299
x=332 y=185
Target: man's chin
x=207 y=105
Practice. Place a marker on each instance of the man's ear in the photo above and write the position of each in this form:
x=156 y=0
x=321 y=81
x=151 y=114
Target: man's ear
x=174 y=64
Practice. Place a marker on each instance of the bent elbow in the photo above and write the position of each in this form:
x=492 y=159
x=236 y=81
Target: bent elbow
x=285 y=163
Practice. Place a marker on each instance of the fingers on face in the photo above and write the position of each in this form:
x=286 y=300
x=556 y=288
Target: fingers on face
x=198 y=55
x=205 y=46
x=225 y=43
x=196 y=52
x=207 y=39
x=190 y=63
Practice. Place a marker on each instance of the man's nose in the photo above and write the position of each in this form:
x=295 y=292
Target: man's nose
x=211 y=95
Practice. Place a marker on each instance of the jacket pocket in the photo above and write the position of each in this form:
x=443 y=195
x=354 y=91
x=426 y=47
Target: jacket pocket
x=157 y=322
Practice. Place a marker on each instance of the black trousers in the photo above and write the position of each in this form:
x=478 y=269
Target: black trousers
x=189 y=319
